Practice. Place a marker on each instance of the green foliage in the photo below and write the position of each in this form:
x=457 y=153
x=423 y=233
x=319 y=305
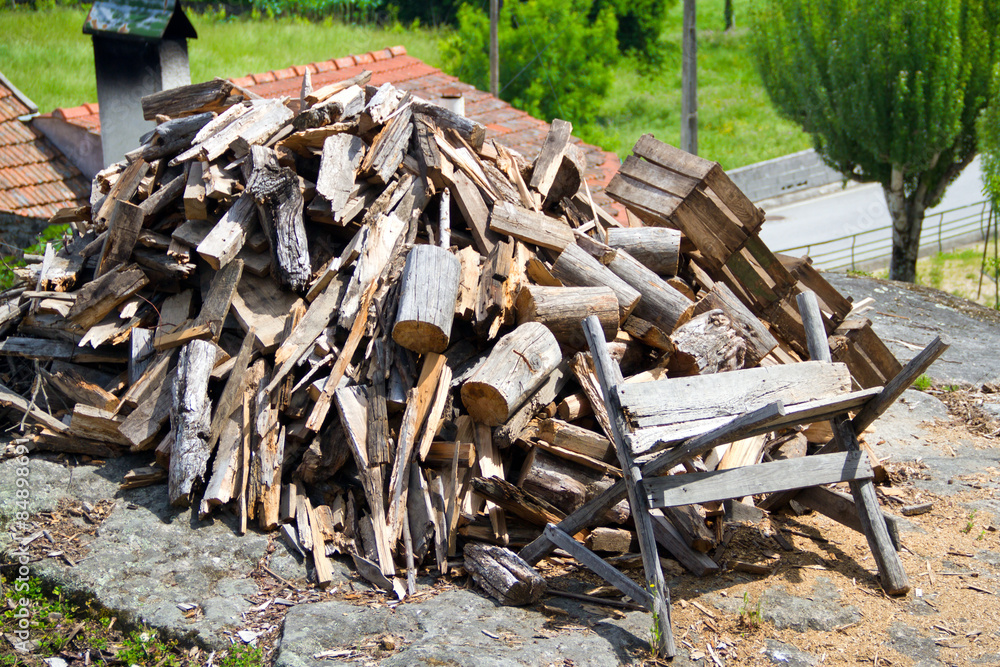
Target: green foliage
x=989 y=144
x=359 y=11
x=241 y=655
x=146 y=648
x=52 y=233
x=889 y=90
x=553 y=61
x=970 y=523
x=750 y=614
x=49 y=612
x=922 y=383
x=640 y=23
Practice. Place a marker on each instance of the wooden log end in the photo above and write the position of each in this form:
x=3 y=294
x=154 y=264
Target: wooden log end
x=420 y=337
x=485 y=403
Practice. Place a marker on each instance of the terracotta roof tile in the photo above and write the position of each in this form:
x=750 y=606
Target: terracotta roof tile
x=244 y=81
x=286 y=73
x=364 y=59
x=263 y=77
x=384 y=54
x=36 y=179
x=342 y=63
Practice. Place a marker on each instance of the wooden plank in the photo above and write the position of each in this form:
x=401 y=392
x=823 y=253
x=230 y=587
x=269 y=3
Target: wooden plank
x=530 y=227
x=190 y=99
x=610 y=377
x=123 y=232
x=100 y=296
x=227 y=237
x=474 y=210
x=683 y=400
x=11 y=399
x=703 y=487
x=216 y=303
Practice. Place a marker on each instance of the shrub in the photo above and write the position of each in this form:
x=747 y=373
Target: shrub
x=554 y=62
x=640 y=23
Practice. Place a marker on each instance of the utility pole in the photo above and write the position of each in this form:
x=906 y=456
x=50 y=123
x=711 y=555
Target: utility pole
x=689 y=81
x=494 y=49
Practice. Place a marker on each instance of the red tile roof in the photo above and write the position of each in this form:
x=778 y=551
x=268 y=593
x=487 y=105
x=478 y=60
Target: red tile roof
x=36 y=179
x=512 y=127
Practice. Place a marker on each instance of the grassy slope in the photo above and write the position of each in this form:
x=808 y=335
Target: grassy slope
x=48 y=57
x=737 y=125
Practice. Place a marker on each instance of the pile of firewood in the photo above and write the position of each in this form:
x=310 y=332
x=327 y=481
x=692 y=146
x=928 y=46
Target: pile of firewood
x=350 y=318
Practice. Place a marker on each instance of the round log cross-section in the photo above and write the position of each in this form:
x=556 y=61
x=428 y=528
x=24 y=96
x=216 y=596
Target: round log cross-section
x=427 y=298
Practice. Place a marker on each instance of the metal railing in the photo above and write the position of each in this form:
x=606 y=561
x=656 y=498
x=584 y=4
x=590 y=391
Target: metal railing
x=869 y=248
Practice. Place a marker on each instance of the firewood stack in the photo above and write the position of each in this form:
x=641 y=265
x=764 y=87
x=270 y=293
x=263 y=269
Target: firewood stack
x=350 y=318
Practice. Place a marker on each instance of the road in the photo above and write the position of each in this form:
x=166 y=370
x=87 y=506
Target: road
x=862 y=209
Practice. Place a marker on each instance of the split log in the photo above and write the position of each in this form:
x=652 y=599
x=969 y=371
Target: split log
x=759 y=340
x=610 y=540
x=275 y=189
x=559 y=482
x=515 y=368
x=96 y=424
x=546 y=393
x=123 y=232
x=661 y=304
x=550 y=158
x=657 y=248
x=472 y=132
x=503 y=574
x=338 y=170
x=561 y=309
x=190 y=99
x=389 y=146
x=99 y=297
x=575 y=439
x=224 y=242
x=575 y=266
x=428 y=294
x=190 y=419
x=707 y=344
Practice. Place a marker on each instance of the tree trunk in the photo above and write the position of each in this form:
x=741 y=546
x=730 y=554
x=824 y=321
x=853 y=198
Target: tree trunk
x=907 y=213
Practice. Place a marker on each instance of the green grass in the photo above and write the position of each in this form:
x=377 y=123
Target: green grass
x=958 y=272
x=49 y=58
x=737 y=124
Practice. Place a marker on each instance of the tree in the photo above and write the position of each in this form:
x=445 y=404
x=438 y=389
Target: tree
x=890 y=91
x=554 y=60
x=989 y=145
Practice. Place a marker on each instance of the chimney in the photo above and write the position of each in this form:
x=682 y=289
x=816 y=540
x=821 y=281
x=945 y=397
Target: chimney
x=140 y=48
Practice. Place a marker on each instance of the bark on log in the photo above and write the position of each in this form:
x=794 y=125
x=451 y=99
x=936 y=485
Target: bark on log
x=661 y=304
x=561 y=309
x=707 y=344
x=190 y=420
x=657 y=248
x=279 y=202
x=428 y=293
x=503 y=574
x=515 y=368
x=575 y=267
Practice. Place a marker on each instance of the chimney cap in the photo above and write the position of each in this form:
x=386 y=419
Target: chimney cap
x=141 y=19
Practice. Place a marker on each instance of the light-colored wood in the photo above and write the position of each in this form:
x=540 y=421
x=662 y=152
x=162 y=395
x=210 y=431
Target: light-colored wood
x=534 y=228
x=97 y=424
x=657 y=248
x=226 y=465
x=661 y=304
x=515 y=368
x=551 y=155
x=429 y=289
x=706 y=345
x=123 y=232
x=512 y=429
x=11 y=399
x=389 y=145
x=561 y=309
x=575 y=266
x=575 y=438
x=216 y=302
x=759 y=339
x=261 y=304
x=338 y=169
x=190 y=418
x=378 y=247
x=683 y=400
x=322 y=564
x=610 y=540
x=468 y=284
x=224 y=242
x=477 y=215
x=670 y=539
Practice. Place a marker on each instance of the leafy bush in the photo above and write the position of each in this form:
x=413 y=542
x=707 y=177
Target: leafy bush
x=989 y=143
x=640 y=23
x=554 y=62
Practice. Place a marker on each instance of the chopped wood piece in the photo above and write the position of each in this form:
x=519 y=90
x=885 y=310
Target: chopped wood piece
x=576 y=267
x=99 y=297
x=530 y=227
x=275 y=189
x=190 y=99
x=517 y=365
x=561 y=309
x=657 y=248
x=428 y=293
x=707 y=344
x=190 y=418
x=227 y=237
x=503 y=574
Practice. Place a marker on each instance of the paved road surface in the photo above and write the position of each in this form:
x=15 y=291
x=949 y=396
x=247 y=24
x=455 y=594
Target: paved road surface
x=857 y=209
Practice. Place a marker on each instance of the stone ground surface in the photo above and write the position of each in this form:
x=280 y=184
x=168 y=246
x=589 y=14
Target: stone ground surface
x=147 y=557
